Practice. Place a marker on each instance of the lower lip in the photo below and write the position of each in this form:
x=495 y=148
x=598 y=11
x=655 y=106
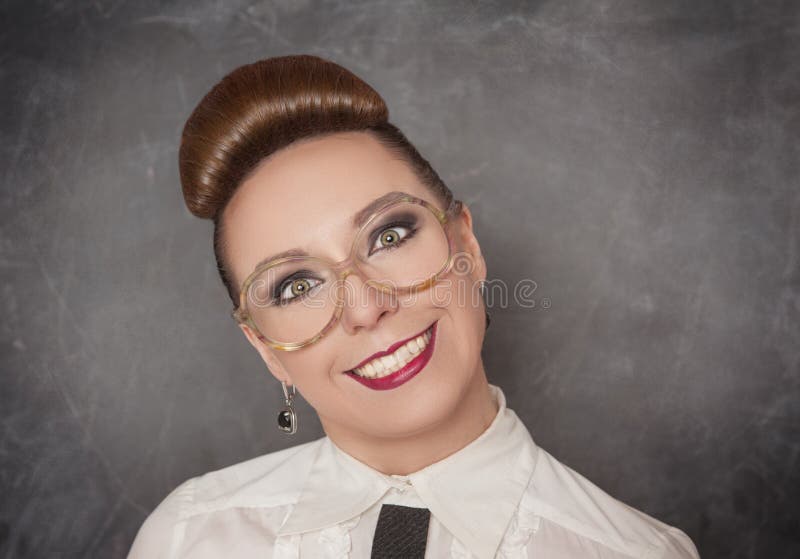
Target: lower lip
x=405 y=374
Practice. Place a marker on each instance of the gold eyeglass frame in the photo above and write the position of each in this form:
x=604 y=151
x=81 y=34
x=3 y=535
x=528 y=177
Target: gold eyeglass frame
x=347 y=266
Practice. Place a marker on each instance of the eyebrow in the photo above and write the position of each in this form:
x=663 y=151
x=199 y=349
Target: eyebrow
x=358 y=221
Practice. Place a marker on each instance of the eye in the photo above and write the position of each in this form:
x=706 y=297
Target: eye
x=294 y=289
x=392 y=236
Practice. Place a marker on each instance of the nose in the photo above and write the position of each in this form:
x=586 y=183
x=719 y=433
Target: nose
x=364 y=304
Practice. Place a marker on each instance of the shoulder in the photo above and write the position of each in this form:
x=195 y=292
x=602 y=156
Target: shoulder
x=271 y=480
x=570 y=502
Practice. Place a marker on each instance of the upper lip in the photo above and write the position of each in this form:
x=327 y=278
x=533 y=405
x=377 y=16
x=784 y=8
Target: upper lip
x=391 y=349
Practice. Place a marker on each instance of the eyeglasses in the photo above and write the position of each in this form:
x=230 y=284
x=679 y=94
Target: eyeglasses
x=404 y=247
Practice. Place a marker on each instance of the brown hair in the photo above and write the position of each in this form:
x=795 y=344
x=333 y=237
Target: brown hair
x=259 y=108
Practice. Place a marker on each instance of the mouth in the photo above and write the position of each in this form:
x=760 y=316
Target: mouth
x=400 y=363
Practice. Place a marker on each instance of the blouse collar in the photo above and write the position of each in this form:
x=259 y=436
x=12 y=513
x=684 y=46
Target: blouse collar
x=474 y=492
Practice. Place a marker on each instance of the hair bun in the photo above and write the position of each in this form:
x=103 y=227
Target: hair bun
x=259 y=108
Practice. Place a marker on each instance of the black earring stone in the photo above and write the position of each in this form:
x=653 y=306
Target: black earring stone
x=287 y=421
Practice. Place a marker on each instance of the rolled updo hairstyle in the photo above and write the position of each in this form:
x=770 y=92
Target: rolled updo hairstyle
x=260 y=108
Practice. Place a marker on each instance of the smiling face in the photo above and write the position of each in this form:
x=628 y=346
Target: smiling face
x=305 y=197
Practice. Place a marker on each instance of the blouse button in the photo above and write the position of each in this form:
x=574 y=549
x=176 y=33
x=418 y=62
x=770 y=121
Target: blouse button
x=404 y=483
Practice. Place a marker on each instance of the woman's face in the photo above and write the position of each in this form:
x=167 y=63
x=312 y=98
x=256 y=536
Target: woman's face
x=304 y=197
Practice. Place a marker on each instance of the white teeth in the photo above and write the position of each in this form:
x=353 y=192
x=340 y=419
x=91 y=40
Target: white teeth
x=389 y=360
x=389 y=364
x=403 y=354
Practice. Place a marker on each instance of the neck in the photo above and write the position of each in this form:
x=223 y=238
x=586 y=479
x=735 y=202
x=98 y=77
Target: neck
x=402 y=456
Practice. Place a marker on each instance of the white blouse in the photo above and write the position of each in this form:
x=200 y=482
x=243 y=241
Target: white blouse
x=501 y=496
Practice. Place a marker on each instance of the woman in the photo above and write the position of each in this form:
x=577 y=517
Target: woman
x=351 y=269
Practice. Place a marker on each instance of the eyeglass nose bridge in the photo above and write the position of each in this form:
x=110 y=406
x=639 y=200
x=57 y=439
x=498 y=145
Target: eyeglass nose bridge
x=350 y=266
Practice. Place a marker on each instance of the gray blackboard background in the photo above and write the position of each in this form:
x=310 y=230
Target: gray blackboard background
x=638 y=160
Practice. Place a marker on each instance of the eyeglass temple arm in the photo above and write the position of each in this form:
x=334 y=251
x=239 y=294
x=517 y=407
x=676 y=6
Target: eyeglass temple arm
x=454 y=207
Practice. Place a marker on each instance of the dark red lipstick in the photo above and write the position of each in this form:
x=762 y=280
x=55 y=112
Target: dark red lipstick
x=407 y=372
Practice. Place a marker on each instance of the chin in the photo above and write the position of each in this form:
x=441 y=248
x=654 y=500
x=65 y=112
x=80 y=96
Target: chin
x=433 y=403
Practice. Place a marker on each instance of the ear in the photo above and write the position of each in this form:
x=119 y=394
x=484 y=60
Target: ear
x=469 y=243
x=267 y=354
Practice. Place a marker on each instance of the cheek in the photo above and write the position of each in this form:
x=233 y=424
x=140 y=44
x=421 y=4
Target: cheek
x=309 y=369
x=464 y=321
x=467 y=334
x=461 y=296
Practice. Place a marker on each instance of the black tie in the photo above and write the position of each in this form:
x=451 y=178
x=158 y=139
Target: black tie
x=401 y=533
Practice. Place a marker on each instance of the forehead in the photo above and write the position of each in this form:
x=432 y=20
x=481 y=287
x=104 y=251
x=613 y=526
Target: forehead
x=305 y=195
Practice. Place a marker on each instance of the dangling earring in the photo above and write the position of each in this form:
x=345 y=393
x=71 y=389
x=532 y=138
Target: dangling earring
x=483 y=295
x=287 y=418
